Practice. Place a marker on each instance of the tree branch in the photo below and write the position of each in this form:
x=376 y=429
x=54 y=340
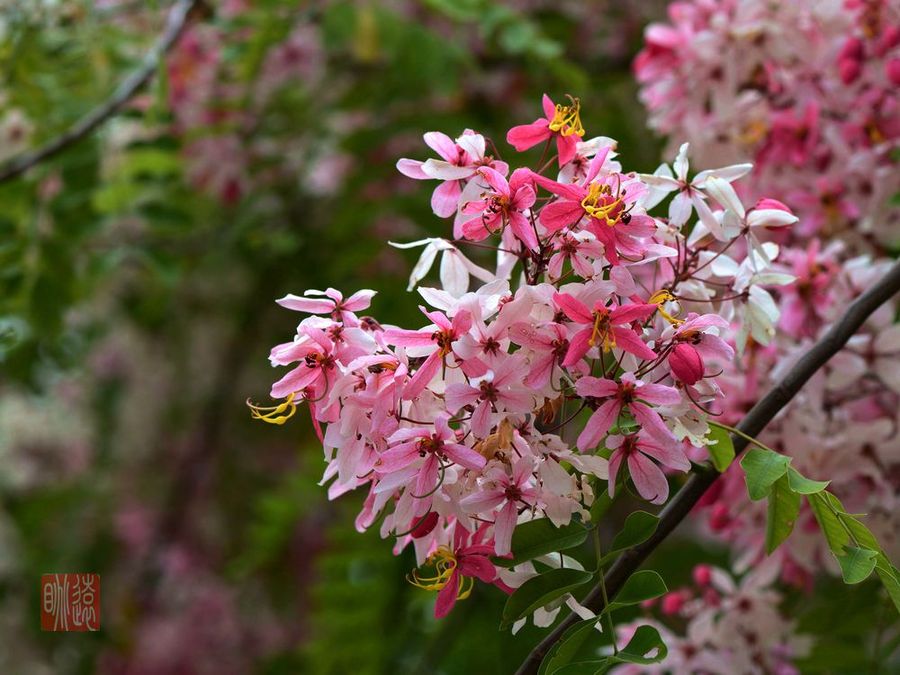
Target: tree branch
x=175 y=24
x=703 y=477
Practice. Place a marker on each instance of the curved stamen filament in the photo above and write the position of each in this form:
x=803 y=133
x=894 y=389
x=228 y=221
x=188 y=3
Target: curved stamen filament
x=567 y=119
x=273 y=414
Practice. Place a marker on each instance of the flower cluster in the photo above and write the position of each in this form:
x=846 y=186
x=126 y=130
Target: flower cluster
x=731 y=627
x=588 y=357
x=807 y=89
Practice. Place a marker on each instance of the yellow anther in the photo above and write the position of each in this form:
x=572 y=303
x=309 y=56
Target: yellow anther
x=444 y=563
x=273 y=414
x=659 y=299
x=593 y=203
x=567 y=119
x=602 y=332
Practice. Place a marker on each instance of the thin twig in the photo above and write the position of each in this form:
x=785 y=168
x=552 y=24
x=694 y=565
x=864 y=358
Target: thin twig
x=175 y=24
x=704 y=475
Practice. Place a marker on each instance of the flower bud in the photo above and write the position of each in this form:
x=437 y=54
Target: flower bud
x=686 y=364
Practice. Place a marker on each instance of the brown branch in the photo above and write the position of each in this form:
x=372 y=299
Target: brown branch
x=175 y=24
x=704 y=476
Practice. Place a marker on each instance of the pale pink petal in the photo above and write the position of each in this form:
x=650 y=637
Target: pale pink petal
x=459 y=395
x=445 y=199
x=504 y=524
x=412 y=168
x=309 y=305
x=464 y=456
x=598 y=425
x=596 y=387
x=650 y=422
x=481 y=420
x=659 y=394
x=669 y=454
x=648 y=478
x=442 y=144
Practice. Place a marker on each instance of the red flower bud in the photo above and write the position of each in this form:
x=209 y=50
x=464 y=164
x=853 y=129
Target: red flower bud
x=686 y=363
x=702 y=575
x=893 y=71
x=425 y=526
x=849 y=70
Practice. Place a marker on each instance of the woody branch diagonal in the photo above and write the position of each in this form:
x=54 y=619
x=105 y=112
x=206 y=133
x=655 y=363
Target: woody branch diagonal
x=175 y=24
x=703 y=477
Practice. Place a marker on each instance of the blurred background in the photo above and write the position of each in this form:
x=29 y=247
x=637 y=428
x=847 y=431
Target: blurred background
x=138 y=273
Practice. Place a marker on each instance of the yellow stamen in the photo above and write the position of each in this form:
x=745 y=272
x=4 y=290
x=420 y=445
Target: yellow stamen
x=567 y=119
x=659 y=299
x=602 y=332
x=600 y=211
x=273 y=414
x=444 y=563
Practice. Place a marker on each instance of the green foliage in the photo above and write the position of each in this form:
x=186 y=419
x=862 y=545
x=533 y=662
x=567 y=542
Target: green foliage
x=541 y=590
x=762 y=469
x=720 y=447
x=784 y=507
x=641 y=586
x=540 y=537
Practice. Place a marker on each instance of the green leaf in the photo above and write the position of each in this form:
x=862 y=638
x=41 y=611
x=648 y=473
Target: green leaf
x=720 y=448
x=890 y=577
x=539 y=537
x=857 y=564
x=592 y=667
x=761 y=469
x=639 y=526
x=646 y=639
x=784 y=506
x=565 y=651
x=541 y=590
x=862 y=534
x=803 y=485
x=834 y=532
x=642 y=585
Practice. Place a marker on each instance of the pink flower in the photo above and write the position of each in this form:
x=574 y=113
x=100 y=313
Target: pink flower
x=639 y=450
x=439 y=340
x=693 y=344
x=607 y=327
x=460 y=161
x=511 y=492
x=431 y=451
x=503 y=205
x=631 y=394
x=579 y=249
x=333 y=303
x=454 y=570
x=560 y=121
x=318 y=367
x=500 y=390
x=548 y=345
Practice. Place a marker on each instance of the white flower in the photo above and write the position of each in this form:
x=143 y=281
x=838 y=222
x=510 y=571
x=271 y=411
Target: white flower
x=455 y=267
x=690 y=195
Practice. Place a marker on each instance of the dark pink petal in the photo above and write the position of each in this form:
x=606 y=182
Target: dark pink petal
x=477 y=566
x=423 y=376
x=548 y=106
x=630 y=313
x=528 y=135
x=598 y=425
x=562 y=213
x=573 y=308
x=629 y=341
x=578 y=347
x=446 y=597
x=648 y=478
x=523 y=198
x=495 y=179
x=567 y=147
x=568 y=191
x=523 y=230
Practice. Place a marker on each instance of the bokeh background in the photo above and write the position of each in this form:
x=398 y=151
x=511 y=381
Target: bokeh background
x=138 y=272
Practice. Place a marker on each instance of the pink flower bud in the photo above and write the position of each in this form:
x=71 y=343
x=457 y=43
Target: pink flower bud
x=890 y=38
x=852 y=50
x=686 y=364
x=893 y=71
x=702 y=575
x=672 y=603
x=849 y=70
x=719 y=518
x=768 y=203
